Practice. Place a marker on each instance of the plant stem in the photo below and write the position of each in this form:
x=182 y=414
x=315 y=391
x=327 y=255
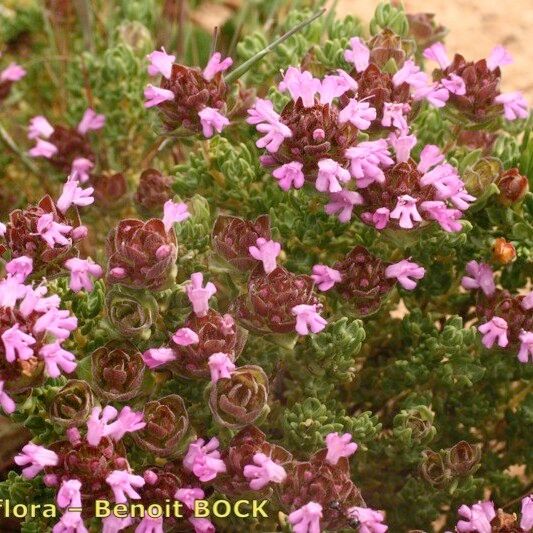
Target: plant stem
x=4 y=135
x=241 y=69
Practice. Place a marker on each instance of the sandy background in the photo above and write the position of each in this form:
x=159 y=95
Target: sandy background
x=475 y=26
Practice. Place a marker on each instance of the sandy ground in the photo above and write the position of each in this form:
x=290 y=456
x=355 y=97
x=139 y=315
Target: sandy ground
x=475 y=26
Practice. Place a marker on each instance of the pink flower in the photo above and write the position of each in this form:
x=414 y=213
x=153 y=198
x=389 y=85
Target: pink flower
x=203 y=460
x=227 y=325
x=429 y=157
x=379 y=218
x=160 y=63
x=342 y=204
x=3 y=229
x=290 y=175
x=366 y=161
x=13 y=72
x=335 y=85
x=402 y=143
x=444 y=177
x=36 y=457
x=53 y=232
x=498 y=57
x=526 y=346
x=482 y=278
x=526 y=521
x=155 y=95
x=79 y=233
x=263 y=472
x=514 y=105
x=478 y=518
x=17 y=344
x=69 y=494
x=20 y=268
x=7 y=404
x=91 y=121
x=39 y=127
x=189 y=496
x=435 y=94
x=527 y=302
x=267 y=252
x=454 y=84
x=155 y=357
x=150 y=525
x=199 y=295
x=308 y=319
x=306 y=519
x=215 y=65
x=494 y=329
x=185 y=337
x=43 y=149
x=393 y=115
x=358 y=113
x=339 y=446
x=122 y=484
x=220 y=366
x=403 y=271
x=300 y=85
x=80 y=169
x=330 y=173
x=358 y=54
x=406 y=212
x=437 y=52
x=70 y=522
x=370 y=521
x=58 y=322
x=325 y=277
x=445 y=216
x=460 y=197
x=73 y=194
x=267 y=121
x=11 y=290
x=81 y=271
x=201 y=525
x=113 y=524
x=411 y=74
x=174 y=212
x=99 y=426
x=34 y=301
x=55 y=358
x=212 y=120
